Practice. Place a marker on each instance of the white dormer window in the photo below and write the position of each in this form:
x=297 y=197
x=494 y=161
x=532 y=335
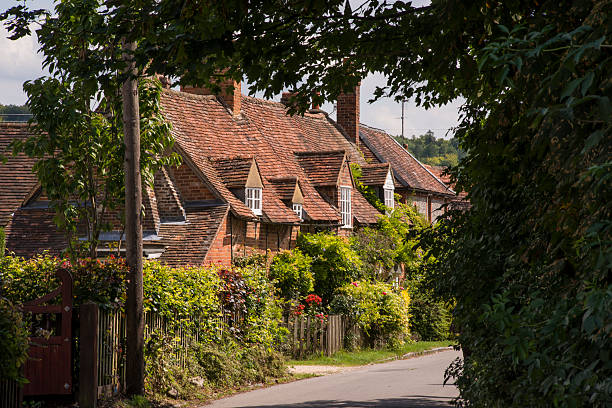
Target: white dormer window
x=253 y=199
x=389 y=191
x=345 y=207
x=389 y=199
x=299 y=210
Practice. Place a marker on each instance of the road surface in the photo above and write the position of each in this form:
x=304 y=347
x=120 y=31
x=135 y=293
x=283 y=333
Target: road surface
x=412 y=383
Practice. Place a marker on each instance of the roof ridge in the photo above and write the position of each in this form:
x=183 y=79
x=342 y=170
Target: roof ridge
x=319 y=152
x=188 y=95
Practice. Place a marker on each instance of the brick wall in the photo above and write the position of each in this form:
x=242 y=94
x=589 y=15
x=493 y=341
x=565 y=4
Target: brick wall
x=189 y=184
x=220 y=251
x=168 y=198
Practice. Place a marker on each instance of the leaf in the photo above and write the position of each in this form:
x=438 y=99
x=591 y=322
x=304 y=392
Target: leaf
x=570 y=88
x=586 y=84
x=593 y=140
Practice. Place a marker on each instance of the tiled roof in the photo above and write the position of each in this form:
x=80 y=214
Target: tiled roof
x=407 y=169
x=192 y=239
x=31 y=231
x=233 y=171
x=322 y=167
x=362 y=210
x=16 y=177
x=374 y=174
x=285 y=187
x=205 y=130
x=440 y=172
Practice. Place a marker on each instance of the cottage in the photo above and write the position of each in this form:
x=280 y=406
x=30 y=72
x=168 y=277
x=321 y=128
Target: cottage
x=251 y=179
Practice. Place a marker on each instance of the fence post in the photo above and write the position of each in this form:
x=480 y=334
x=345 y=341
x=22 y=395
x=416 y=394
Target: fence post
x=88 y=353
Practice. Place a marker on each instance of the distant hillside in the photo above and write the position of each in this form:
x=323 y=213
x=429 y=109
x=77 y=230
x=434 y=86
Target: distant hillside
x=14 y=113
x=432 y=151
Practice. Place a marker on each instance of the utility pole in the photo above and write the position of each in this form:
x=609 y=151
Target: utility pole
x=133 y=226
x=403 y=119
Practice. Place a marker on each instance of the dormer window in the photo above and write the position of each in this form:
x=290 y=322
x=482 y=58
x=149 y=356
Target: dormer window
x=253 y=199
x=389 y=201
x=345 y=207
x=299 y=210
x=389 y=191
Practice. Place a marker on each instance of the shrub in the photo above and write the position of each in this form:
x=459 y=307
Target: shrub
x=430 y=320
x=101 y=282
x=13 y=341
x=334 y=262
x=379 y=310
x=291 y=274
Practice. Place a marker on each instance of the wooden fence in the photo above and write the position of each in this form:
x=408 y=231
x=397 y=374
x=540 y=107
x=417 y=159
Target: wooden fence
x=307 y=335
x=310 y=335
x=112 y=346
x=10 y=394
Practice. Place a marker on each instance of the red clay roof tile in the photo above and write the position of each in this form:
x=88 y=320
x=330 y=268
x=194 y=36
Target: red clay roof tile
x=410 y=172
x=16 y=177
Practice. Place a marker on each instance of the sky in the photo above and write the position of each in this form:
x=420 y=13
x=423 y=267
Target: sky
x=20 y=61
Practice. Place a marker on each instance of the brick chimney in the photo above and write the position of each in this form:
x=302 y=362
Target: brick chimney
x=231 y=98
x=348 y=114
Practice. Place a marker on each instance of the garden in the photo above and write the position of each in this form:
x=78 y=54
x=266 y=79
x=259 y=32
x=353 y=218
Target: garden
x=212 y=329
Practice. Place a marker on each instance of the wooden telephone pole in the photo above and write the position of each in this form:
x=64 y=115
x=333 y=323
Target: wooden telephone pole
x=133 y=226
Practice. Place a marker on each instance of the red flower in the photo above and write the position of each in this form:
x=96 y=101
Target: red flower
x=384 y=293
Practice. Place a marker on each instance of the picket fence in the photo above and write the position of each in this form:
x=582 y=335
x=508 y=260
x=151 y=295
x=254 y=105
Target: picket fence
x=307 y=335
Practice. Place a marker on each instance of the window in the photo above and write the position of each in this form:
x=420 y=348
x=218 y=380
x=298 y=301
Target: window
x=389 y=199
x=389 y=191
x=345 y=207
x=253 y=199
x=299 y=210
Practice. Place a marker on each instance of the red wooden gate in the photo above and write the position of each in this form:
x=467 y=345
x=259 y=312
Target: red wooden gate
x=49 y=366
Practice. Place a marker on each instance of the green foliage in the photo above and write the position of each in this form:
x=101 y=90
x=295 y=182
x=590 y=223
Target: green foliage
x=27 y=279
x=380 y=311
x=2 y=242
x=392 y=243
x=430 y=320
x=13 y=341
x=14 y=113
x=529 y=265
x=77 y=124
x=433 y=151
x=291 y=274
x=367 y=191
x=334 y=262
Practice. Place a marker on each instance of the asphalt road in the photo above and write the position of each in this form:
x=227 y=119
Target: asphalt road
x=412 y=383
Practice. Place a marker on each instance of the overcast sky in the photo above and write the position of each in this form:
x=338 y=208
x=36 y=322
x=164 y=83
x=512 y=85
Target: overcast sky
x=19 y=62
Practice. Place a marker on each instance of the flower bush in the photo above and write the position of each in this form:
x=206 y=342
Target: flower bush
x=379 y=310
x=334 y=262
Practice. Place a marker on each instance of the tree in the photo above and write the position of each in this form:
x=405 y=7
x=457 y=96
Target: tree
x=14 y=113
x=529 y=264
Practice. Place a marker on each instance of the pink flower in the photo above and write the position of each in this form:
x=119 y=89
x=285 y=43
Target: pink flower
x=355 y=284
x=384 y=293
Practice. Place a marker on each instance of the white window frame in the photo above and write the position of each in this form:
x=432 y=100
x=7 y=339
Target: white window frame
x=345 y=207
x=299 y=210
x=389 y=194
x=253 y=199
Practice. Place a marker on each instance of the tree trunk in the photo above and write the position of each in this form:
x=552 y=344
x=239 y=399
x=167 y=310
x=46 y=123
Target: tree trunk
x=133 y=228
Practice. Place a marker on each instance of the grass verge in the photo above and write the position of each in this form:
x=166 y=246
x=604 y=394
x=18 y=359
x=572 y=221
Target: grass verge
x=367 y=356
